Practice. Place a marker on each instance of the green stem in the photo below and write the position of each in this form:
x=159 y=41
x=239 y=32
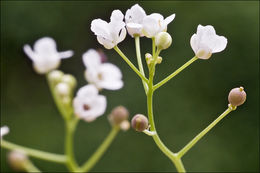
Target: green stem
x=153 y=45
x=70 y=129
x=100 y=151
x=139 y=60
x=175 y=160
x=175 y=73
x=30 y=167
x=201 y=134
x=130 y=64
x=35 y=153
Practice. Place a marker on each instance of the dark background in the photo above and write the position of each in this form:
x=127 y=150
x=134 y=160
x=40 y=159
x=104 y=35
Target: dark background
x=183 y=107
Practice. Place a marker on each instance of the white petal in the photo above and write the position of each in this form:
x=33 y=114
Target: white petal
x=91 y=59
x=169 y=19
x=100 y=28
x=116 y=15
x=4 y=130
x=134 y=29
x=29 y=52
x=219 y=44
x=194 y=43
x=108 y=44
x=111 y=77
x=151 y=25
x=66 y=54
x=166 y=21
x=122 y=36
x=45 y=45
x=87 y=91
x=43 y=64
x=135 y=14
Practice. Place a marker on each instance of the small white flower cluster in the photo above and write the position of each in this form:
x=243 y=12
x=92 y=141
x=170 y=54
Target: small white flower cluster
x=88 y=104
x=138 y=23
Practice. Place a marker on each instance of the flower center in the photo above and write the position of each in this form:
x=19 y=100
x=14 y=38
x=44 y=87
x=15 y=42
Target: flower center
x=100 y=76
x=86 y=107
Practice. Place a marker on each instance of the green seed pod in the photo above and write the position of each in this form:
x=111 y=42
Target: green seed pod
x=118 y=115
x=139 y=122
x=237 y=96
x=163 y=40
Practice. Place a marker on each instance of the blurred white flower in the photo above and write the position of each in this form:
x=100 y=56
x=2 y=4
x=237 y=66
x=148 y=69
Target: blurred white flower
x=134 y=20
x=112 y=33
x=206 y=41
x=102 y=75
x=45 y=56
x=155 y=23
x=4 y=130
x=88 y=105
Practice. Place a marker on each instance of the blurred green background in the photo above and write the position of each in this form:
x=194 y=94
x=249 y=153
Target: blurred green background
x=183 y=107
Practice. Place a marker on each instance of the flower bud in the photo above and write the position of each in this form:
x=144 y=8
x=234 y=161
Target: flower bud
x=55 y=76
x=17 y=160
x=125 y=125
x=148 y=58
x=70 y=80
x=118 y=115
x=139 y=122
x=63 y=89
x=159 y=60
x=163 y=40
x=237 y=96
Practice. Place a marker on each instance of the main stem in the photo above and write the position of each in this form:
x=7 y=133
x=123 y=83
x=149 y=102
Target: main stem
x=176 y=161
x=70 y=128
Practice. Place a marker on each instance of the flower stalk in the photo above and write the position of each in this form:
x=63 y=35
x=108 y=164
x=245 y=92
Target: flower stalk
x=57 y=158
x=185 y=149
x=101 y=150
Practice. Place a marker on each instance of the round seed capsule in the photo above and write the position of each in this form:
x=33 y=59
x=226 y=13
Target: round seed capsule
x=237 y=96
x=118 y=115
x=139 y=122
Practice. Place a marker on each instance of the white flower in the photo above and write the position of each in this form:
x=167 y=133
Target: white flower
x=45 y=56
x=206 y=41
x=112 y=33
x=102 y=75
x=4 y=130
x=155 y=23
x=134 y=20
x=88 y=105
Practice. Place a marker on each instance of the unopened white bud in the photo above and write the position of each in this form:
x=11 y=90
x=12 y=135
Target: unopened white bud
x=17 y=160
x=55 y=76
x=125 y=125
x=70 y=80
x=63 y=89
x=163 y=40
x=148 y=58
x=159 y=60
